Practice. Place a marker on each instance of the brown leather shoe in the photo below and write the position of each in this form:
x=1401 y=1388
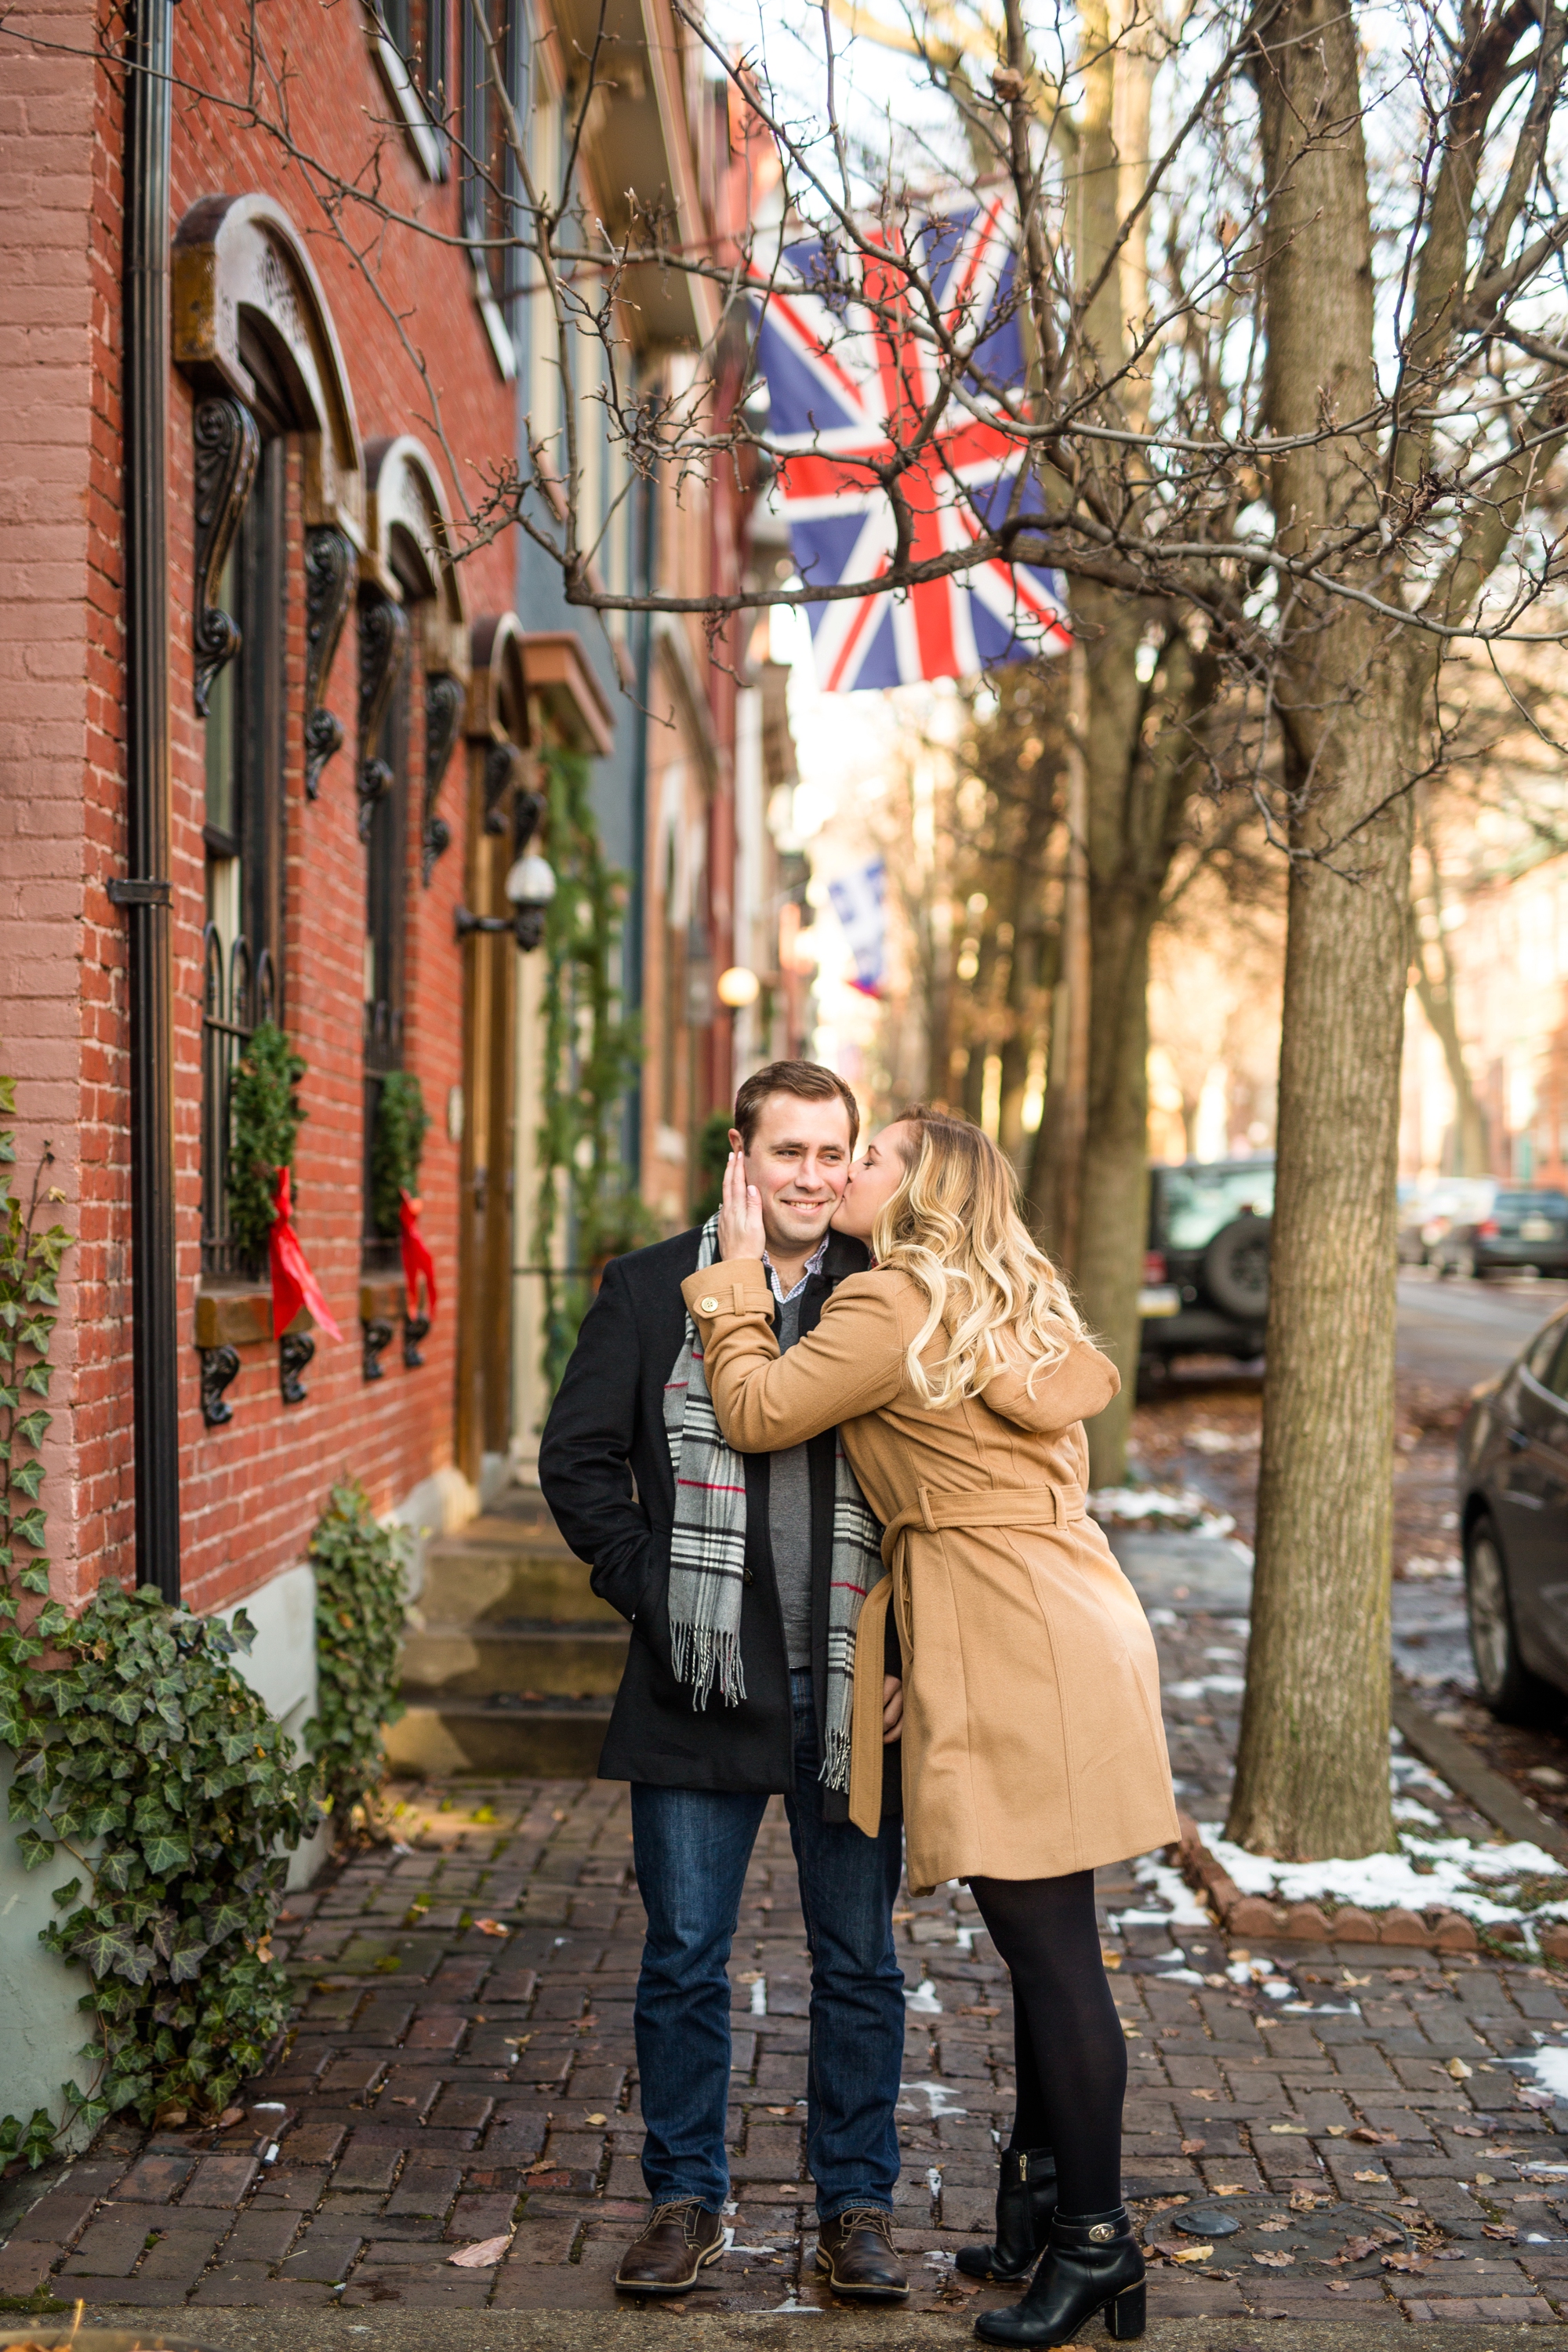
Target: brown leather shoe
x=856 y=2249
x=675 y=2242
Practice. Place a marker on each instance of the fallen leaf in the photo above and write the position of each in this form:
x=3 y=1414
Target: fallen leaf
x=230 y=2116
x=1376 y=2138
x=1193 y=2254
x=1382 y=2177
x=1303 y=2201
x=1356 y=2250
x=1459 y=2070
x=1293 y=2131
x=1509 y=2230
x=1336 y=2131
x=781 y=2111
x=1275 y=2259
x=1113 y=1959
x=1467 y=2131
x=1231 y=2189
x=754 y=1976
x=595 y=2119
x=1401 y=1976
x=1402 y=2262
x=1346 y=1978
x=399 y=2101
x=479 y=2257
x=490 y=1927
x=1193 y=2147
x=1485 y=2179
x=1201 y=2094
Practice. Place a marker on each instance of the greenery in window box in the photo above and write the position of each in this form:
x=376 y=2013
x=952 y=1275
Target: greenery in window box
x=591 y=1054
x=396 y=1149
x=360 y=1570
x=143 y=1760
x=265 y=1119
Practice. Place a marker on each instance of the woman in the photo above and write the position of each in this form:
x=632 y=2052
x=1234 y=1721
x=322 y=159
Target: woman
x=959 y=1376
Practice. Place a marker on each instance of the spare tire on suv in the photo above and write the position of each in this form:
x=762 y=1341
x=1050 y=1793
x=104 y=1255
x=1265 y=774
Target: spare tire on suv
x=1235 y=1269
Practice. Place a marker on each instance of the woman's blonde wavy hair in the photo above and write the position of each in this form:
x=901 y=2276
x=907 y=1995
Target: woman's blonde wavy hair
x=953 y=1223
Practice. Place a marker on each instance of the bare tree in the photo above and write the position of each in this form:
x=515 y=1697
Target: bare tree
x=1295 y=389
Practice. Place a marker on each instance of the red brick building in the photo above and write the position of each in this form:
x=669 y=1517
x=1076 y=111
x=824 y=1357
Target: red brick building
x=269 y=737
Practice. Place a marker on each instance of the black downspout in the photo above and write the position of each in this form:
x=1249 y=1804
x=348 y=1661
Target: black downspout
x=636 y=905
x=145 y=892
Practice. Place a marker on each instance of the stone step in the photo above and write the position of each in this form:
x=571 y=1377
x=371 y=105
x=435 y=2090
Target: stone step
x=539 y=1660
x=545 y=1740
x=486 y=1579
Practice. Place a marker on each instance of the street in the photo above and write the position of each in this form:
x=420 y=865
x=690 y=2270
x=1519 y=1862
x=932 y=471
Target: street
x=1457 y=1333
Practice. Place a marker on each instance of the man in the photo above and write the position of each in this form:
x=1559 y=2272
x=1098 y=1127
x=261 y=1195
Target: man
x=741 y=1578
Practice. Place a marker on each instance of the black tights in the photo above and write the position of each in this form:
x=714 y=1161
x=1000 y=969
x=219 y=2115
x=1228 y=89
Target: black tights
x=1071 y=2055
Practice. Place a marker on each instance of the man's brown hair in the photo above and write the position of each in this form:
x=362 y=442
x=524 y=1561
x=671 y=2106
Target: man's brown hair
x=812 y=1081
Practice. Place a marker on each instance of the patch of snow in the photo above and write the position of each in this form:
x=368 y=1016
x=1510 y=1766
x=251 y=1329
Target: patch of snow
x=923 y=2002
x=1409 y=1809
x=1550 y=2068
x=1454 y=1872
x=1225 y=1441
x=1162 y=1617
x=1138 y=1505
x=1450 y=1567
x=939 y=2098
x=1182 y=1907
x=1228 y=1686
x=760 y=1998
x=1224 y=1657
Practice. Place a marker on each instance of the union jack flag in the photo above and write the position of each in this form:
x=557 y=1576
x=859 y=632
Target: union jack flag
x=849 y=379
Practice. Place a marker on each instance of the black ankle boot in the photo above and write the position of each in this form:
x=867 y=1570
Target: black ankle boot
x=1026 y=2204
x=1091 y=2264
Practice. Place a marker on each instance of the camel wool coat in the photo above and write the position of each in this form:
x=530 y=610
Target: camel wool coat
x=1033 y=1743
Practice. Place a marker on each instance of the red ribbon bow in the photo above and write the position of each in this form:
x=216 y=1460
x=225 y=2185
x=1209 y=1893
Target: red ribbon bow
x=294 y=1284
x=416 y=1257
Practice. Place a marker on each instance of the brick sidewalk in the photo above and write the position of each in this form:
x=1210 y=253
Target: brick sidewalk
x=446 y=2081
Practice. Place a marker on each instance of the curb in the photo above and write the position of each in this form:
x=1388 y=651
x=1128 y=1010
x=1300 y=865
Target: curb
x=1249 y=1914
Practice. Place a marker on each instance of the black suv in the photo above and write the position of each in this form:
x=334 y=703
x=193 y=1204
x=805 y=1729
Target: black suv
x=1205 y=1277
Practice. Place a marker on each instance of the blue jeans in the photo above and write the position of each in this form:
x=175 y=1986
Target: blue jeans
x=692 y=1847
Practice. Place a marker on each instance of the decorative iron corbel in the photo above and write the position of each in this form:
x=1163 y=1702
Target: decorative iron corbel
x=501 y=758
x=220 y=1367
x=444 y=699
x=376 y=1332
x=295 y=1351
x=527 y=816
x=228 y=444
x=383 y=644
x=415 y=1328
x=330 y=570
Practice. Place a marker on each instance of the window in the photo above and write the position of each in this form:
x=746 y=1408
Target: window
x=412 y=42
x=1197 y=1202
x=243 y=832
x=493 y=187
x=417 y=30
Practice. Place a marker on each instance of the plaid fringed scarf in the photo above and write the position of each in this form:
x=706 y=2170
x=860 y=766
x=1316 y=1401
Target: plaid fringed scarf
x=707 y=1552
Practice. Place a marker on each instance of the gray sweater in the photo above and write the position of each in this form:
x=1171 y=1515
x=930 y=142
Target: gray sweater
x=789 y=1521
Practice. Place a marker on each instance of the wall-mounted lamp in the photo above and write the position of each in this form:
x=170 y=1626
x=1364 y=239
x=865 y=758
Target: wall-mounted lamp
x=530 y=887
x=739 y=987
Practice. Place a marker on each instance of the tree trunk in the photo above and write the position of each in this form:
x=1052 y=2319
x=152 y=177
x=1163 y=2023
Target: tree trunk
x=1437 y=1001
x=1312 y=1773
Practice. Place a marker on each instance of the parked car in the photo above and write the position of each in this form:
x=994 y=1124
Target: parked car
x=1523 y=1227
x=1513 y=1512
x=1428 y=1212
x=1205 y=1276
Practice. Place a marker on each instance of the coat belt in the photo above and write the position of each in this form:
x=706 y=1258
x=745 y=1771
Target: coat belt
x=935 y=1508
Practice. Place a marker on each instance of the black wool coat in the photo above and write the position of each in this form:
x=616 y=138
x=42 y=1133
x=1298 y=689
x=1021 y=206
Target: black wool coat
x=604 y=1464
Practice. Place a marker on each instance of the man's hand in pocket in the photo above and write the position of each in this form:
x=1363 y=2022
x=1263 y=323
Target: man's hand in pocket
x=892 y=1709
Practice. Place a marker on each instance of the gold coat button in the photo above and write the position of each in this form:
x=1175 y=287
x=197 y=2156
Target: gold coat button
x=708 y=1306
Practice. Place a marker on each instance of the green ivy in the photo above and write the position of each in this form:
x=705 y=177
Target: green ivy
x=359 y=1588
x=396 y=1149
x=265 y=1120
x=144 y=1759
x=591 y=1054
